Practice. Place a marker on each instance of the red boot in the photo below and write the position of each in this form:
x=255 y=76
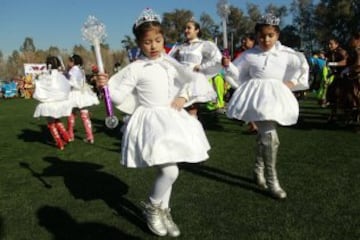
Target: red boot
x=61 y=129
x=54 y=132
x=70 y=126
x=87 y=125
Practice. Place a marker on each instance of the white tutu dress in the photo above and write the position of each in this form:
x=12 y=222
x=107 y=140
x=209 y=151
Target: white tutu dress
x=156 y=133
x=261 y=94
x=208 y=56
x=81 y=94
x=52 y=90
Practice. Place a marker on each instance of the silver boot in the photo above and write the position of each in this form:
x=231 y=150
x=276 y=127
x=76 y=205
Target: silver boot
x=171 y=227
x=259 y=177
x=271 y=144
x=154 y=218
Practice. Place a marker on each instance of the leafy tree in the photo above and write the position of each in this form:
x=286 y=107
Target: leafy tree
x=237 y=25
x=128 y=42
x=14 y=65
x=208 y=27
x=28 y=45
x=338 y=18
x=280 y=11
x=28 y=50
x=174 y=24
x=303 y=19
x=289 y=37
x=53 y=51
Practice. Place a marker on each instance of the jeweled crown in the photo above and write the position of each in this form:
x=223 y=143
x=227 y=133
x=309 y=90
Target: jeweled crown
x=270 y=19
x=147 y=15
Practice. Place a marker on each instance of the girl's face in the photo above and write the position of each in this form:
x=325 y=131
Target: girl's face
x=333 y=45
x=247 y=43
x=152 y=43
x=190 y=31
x=267 y=37
x=70 y=63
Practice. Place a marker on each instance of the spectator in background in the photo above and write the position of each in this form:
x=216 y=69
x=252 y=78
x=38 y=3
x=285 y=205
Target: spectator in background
x=81 y=96
x=201 y=56
x=336 y=58
x=52 y=90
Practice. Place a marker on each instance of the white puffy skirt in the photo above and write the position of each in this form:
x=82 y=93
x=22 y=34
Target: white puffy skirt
x=201 y=90
x=264 y=100
x=56 y=109
x=161 y=135
x=85 y=97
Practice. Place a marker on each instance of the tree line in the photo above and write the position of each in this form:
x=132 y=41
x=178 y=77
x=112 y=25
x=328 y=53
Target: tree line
x=312 y=25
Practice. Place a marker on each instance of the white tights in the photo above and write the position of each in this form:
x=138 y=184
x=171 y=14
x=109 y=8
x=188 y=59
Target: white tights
x=265 y=127
x=161 y=191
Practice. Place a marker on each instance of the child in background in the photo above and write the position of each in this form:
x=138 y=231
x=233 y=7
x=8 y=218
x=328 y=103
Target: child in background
x=52 y=90
x=81 y=96
x=203 y=57
x=159 y=133
x=266 y=76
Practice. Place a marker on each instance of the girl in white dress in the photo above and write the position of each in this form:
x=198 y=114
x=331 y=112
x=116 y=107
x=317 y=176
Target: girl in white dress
x=265 y=77
x=52 y=90
x=159 y=133
x=81 y=96
x=201 y=56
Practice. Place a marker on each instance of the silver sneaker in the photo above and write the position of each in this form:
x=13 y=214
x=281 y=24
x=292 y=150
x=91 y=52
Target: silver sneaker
x=154 y=218
x=171 y=227
x=260 y=180
x=277 y=192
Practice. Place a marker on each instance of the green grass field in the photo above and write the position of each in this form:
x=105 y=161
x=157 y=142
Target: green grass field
x=84 y=193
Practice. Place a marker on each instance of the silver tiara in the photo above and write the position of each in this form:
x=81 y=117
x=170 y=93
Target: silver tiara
x=270 y=19
x=192 y=19
x=147 y=15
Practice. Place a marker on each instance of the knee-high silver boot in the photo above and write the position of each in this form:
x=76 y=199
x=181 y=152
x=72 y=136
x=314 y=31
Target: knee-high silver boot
x=271 y=144
x=259 y=164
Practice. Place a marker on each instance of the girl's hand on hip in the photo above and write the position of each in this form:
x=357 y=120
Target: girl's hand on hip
x=178 y=103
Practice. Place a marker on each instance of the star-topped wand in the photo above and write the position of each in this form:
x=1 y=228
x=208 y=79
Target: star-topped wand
x=223 y=11
x=94 y=32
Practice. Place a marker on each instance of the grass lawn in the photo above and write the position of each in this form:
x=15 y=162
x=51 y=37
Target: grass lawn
x=84 y=193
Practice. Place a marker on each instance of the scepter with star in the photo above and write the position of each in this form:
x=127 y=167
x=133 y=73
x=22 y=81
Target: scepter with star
x=94 y=32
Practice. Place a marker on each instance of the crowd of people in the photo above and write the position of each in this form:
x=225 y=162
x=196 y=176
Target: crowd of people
x=335 y=78
x=160 y=94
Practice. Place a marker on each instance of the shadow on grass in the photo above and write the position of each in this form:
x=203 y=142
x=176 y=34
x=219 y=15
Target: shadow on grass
x=313 y=122
x=86 y=181
x=222 y=176
x=35 y=174
x=1 y=227
x=63 y=226
x=42 y=136
x=210 y=120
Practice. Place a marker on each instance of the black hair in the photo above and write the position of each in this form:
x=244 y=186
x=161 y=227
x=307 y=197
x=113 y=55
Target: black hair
x=53 y=62
x=140 y=30
x=259 y=26
x=249 y=36
x=76 y=59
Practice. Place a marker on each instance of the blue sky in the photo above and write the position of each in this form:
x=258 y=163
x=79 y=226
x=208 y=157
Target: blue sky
x=58 y=23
